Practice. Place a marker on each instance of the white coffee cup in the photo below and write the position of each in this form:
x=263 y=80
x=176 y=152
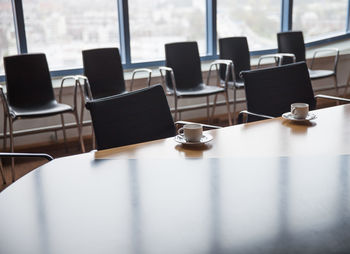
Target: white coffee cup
x=299 y=110
x=191 y=132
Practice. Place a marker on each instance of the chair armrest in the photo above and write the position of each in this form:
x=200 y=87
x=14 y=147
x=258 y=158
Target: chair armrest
x=149 y=71
x=26 y=155
x=86 y=87
x=76 y=85
x=247 y=113
x=322 y=96
x=163 y=78
x=229 y=67
x=333 y=50
x=278 y=57
x=207 y=126
x=85 y=93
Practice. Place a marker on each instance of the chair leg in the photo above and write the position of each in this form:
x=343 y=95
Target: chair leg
x=56 y=136
x=79 y=131
x=228 y=108
x=234 y=104
x=214 y=106
x=346 y=86
x=336 y=85
x=82 y=113
x=2 y=173
x=175 y=102
x=93 y=138
x=208 y=113
x=5 y=133
x=12 y=150
x=64 y=133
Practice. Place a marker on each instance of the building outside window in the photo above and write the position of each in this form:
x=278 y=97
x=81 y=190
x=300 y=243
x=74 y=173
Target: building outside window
x=258 y=20
x=154 y=23
x=319 y=19
x=7 y=32
x=62 y=29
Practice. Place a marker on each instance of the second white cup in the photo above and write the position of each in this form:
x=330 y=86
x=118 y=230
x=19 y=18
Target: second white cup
x=191 y=132
x=299 y=110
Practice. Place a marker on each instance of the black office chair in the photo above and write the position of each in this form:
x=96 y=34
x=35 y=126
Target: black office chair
x=30 y=93
x=183 y=78
x=293 y=42
x=271 y=91
x=131 y=118
x=104 y=74
x=236 y=49
x=20 y=155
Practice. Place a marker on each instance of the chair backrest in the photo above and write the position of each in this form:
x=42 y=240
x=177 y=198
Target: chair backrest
x=28 y=80
x=131 y=118
x=292 y=42
x=271 y=91
x=183 y=58
x=237 y=50
x=104 y=70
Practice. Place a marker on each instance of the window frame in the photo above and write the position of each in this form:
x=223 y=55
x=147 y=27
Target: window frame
x=211 y=34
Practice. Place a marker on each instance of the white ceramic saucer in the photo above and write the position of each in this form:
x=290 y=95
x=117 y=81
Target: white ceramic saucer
x=204 y=139
x=289 y=116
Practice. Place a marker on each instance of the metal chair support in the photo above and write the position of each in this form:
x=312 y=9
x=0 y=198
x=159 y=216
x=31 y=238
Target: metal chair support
x=165 y=87
x=148 y=71
x=75 y=109
x=20 y=155
x=278 y=57
x=229 y=67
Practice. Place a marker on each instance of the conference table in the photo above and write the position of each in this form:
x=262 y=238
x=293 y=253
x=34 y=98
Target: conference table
x=272 y=186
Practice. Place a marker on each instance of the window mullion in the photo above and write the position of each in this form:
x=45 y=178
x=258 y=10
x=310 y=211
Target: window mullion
x=348 y=18
x=124 y=31
x=211 y=27
x=18 y=17
x=287 y=15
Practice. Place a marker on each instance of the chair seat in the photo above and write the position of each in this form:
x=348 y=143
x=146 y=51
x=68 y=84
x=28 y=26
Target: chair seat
x=47 y=109
x=201 y=90
x=316 y=74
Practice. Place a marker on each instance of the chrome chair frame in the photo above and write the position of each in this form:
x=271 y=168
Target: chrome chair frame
x=20 y=155
x=336 y=59
x=205 y=126
x=229 y=67
x=278 y=57
x=11 y=118
x=8 y=116
x=149 y=71
x=163 y=70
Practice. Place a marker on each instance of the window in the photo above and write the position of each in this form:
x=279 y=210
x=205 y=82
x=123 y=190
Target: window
x=7 y=32
x=320 y=18
x=156 y=22
x=258 y=20
x=62 y=29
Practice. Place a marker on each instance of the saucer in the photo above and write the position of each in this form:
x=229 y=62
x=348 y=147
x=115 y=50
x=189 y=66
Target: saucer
x=289 y=116
x=204 y=139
